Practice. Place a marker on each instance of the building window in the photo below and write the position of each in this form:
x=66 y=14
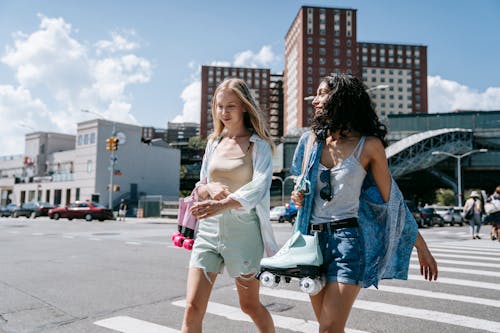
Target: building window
x=77 y=194
x=309 y=60
x=309 y=40
x=336 y=42
x=309 y=50
x=92 y=138
x=322 y=51
x=322 y=71
x=89 y=166
x=309 y=70
x=309 y=80
x=309 y=91
x=80 y=139
x=349 y=62
x=86 y=139
x=322 y=41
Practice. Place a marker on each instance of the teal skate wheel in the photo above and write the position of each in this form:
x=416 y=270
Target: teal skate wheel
x=311 y=286
x=269 y=280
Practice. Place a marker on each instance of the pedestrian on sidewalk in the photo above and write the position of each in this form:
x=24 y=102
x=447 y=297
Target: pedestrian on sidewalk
x=234 y=228
x=365 y=231
x=122 y=210
x=494 y=214
x=472 y=213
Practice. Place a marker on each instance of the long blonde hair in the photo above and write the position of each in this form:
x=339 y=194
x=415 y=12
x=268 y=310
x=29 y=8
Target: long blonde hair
x=253 y=117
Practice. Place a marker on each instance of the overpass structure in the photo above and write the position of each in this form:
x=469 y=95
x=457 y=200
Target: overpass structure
x=414 y=152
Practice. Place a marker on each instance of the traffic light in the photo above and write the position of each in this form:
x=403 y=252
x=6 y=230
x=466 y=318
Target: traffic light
x=114 y=143
x=109 y=145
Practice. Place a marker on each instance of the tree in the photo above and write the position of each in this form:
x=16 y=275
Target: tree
x=445 y=197
x=196 y=142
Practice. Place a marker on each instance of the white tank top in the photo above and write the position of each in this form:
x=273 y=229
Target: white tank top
x=346 y=180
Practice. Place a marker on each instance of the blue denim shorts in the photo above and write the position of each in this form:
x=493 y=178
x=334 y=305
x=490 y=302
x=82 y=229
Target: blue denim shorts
x=342 y=255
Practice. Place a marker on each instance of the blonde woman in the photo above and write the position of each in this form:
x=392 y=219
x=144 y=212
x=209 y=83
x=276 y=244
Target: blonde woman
x=234 y=228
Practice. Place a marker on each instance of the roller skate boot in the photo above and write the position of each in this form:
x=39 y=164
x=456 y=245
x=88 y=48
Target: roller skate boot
x=186 y=225
x=299 y=258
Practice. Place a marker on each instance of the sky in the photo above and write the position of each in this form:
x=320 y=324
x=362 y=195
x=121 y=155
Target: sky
x=139 y=62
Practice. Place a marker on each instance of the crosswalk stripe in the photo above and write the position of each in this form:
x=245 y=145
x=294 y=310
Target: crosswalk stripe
x=462 y=251
x=439 y=295
x=444 y=255
x=481 y=246
x=428 y=315
x=290 y=323
x=462 y=270
x=127 y=324
x=459 y=282
x=463 y=263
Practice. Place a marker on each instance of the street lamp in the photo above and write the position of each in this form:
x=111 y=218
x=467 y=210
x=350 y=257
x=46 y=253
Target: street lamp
x=112 y=159
x=459 y=167
x=380 y=86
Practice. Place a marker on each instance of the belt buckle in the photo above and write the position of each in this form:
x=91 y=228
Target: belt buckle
x=317 y=227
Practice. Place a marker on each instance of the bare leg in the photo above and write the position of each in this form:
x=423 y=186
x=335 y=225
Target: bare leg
x=248 y=292
x=197 y=294
x=334 y=304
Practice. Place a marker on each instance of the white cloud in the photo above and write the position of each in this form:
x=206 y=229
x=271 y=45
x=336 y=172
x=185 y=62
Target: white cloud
x=57 y=76
x=191 y=95
x=445 y=96
x=264 y=58
x=118 y=42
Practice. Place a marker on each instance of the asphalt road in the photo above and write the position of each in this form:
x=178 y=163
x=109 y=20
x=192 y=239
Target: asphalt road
x=76 y=276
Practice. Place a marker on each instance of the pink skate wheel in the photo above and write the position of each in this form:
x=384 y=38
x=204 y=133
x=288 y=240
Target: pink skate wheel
x=178 y=241
x=175 y=234
x=188 y=244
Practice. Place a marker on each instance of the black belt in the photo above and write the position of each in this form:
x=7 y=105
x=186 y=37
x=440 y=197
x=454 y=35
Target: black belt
x=347 y=223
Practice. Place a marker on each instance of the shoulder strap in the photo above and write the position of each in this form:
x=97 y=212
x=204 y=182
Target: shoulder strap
x=307 y=152
x=359 y=147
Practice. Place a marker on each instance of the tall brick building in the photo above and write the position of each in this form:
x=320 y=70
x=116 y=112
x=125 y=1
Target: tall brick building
x=321 y=41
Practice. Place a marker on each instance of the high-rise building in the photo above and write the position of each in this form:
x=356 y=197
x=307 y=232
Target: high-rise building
x=257 y=79
x=322 y=40
x=181 y=132
x=401 y=72
x=275 y=114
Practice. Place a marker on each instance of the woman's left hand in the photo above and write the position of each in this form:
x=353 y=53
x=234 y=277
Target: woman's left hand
x=428 y=265
x=207 y=208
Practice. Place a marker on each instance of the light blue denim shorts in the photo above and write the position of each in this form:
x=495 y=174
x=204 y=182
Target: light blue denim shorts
x=342 y=251
x=231 y=239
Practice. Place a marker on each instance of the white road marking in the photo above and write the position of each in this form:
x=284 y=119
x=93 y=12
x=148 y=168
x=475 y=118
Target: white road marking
x=133 y=243
x=94 y=239
x=405 y=311
x=464 y=263
x=459 y=282
x=463 y=271
x=37 y=233
x=462 y=251
x=488 y=245
x=439 y=295
x=126 y=324
x=444 y=255
x=290 y=323
x=68 y=237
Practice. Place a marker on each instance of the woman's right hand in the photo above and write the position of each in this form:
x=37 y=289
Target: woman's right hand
x=297 y=198
x=217 y=191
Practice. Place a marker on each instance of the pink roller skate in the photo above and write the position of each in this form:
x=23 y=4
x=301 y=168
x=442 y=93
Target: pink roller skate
x=186 y=224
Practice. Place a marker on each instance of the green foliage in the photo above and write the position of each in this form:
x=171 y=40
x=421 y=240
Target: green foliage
x=445 y=197
x=196 y=142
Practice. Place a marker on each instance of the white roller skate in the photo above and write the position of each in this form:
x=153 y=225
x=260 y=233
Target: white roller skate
x=299 y=258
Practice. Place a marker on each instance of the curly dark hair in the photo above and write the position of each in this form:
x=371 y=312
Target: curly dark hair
x=348 y=107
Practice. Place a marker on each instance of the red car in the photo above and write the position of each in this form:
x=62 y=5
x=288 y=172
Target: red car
x=82 y=210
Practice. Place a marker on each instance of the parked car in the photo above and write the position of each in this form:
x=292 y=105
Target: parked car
x=276 y=212
x=290 y=213
x=7 y=210
x=415 y=212
x=32 y=209
x=451 y=215
x=430 y=217
x=82 y=210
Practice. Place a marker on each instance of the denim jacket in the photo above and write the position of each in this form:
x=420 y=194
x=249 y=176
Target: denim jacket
x=388 y=229
x=254 y=194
